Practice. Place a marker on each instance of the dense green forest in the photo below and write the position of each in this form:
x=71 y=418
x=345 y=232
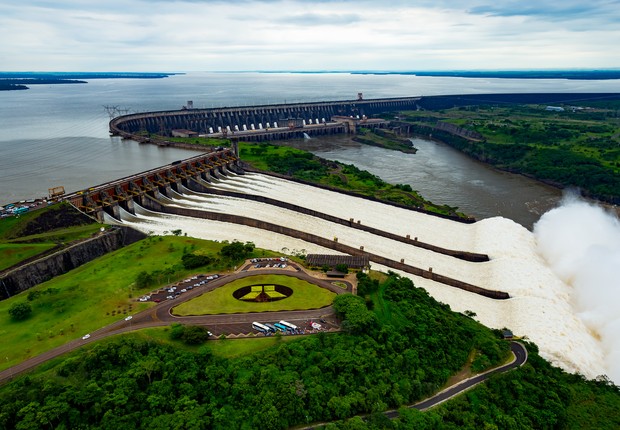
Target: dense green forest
x=578 y=146
x=399 y=346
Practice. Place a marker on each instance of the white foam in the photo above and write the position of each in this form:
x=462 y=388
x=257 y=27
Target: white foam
x=540 y=307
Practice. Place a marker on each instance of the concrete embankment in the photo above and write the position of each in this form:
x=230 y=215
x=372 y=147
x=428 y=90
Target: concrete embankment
x=43 y=269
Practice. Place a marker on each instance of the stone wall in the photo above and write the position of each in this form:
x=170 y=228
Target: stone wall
x=58 y=263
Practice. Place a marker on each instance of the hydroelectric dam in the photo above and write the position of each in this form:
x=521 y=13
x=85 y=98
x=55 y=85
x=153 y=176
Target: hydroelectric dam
x=207 y=175
x=264 y=122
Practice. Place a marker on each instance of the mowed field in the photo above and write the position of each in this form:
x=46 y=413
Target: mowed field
x=221 y=301
x=92 y=296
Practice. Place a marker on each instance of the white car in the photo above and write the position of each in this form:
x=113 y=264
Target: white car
x=128 y=318
x=86 y=336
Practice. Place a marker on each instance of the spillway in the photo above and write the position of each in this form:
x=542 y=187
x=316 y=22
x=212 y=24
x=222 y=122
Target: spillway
x=540 y=304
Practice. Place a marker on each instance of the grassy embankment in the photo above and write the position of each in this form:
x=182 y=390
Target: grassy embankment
x=385 y=139
x=40 y=230
x=97 y=294
x=221 y=300
x=305 y=166
x=224 y=348
x=579 y=148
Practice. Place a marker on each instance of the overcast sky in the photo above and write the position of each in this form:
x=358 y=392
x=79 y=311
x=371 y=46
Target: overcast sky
x=231 y=35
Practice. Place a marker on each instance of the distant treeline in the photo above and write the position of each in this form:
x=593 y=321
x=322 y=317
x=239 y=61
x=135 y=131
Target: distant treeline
x=8 y=87
x=451 y=101
x=19 y=80
x=83 y=75
x=513 y=74
x=36 y=81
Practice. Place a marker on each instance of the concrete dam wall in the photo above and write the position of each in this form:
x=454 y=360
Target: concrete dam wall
x=311 y=118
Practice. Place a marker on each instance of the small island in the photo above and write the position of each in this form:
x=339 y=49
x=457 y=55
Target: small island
x=20 y=80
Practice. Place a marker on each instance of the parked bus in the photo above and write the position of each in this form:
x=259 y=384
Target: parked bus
x=272 y=328
x=280 y=327
x=289 y=326
x=260 y=327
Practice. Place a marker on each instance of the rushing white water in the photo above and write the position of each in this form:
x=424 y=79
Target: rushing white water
x=541 y=302
x=581 y=242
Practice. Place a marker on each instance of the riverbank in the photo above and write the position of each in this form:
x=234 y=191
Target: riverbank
x=564 y=146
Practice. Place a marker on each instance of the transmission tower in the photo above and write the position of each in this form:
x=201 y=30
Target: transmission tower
x=114 y=111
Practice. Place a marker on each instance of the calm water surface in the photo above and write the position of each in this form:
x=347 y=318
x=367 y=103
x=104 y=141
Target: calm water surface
x=57 y=135
x=444 y=175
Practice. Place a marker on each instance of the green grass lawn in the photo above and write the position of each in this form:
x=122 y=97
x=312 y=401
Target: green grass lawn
x=229 y=348
x=91 y=296
x=16 y=246
x=221 y=300
x=13 y=253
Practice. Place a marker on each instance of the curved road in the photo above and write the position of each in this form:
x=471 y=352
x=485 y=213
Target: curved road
x=520 y=357
x=160 y=315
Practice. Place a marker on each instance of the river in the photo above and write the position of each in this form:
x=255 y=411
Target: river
x=57 y=135
x=444 y=175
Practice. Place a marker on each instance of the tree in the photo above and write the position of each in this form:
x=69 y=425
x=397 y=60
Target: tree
x=20 y=311
x=342 y=268
x=144 y=279
x=354 y=313
x=192 y=261
x=236 y=251
x=194 y=335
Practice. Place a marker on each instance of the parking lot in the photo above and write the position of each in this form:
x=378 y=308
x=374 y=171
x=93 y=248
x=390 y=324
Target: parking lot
x=173 y=291
x=239 y=325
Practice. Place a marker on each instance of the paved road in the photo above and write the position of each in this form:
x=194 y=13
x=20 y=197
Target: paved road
x=160 y=315
x=520 y=357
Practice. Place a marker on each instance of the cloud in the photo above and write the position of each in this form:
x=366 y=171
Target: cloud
x=314 y=19
x=276 y=34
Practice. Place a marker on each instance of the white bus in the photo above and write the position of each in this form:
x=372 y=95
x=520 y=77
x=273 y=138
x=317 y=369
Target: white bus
x=260 y=327
x=288 y=325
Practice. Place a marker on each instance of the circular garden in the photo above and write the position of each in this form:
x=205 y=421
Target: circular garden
x=258 y=293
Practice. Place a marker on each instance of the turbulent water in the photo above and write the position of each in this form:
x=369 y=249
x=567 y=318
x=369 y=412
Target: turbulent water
x=57 y=135
x=541 y=303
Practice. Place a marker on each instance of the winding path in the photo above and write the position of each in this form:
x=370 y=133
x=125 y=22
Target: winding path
x=519 y=358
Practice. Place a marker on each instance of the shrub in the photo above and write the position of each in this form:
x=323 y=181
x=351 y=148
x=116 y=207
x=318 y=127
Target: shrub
x=20 y=311
x=191 y=261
